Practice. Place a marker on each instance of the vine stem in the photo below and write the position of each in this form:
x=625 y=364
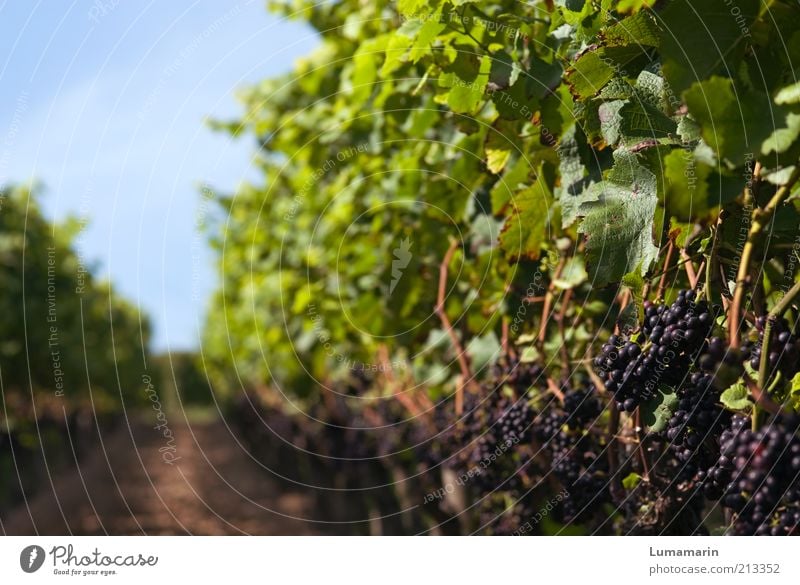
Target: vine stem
x=713 y=267
x=553 y=388
x=776 y=312
x=531 y=300
x=760 y=218
x=702 y=270
x=548 y=301
x=561 y=329
x=624 y=299
x=613 y=462
x=504 y=343
x=763 y=401
x=640 y=444
x=674 y=267
x=662 y=283
x=788 y=298
x=763 y=362
x=466 y=373
x=398 y=389
x=689 y=266
x=601 y=387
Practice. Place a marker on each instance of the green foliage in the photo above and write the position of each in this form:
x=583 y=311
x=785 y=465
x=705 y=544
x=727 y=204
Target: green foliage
x=657 y=411
x=531 y=133
x=736 y=397
x=63 y=333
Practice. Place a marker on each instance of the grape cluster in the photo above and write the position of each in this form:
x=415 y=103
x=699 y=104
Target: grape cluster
x=519 y=375
x=582 y=406
x=762 y=470
x=584 y=476
x=632 y=367
x=714 y=480
x=486 y=440
x=500 y=518
x=784 y=351
x=714 y=353
x=665 y=505
x=575 y=456
x=693 y=429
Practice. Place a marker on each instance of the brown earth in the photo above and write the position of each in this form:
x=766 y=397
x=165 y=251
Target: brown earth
x=124 y=486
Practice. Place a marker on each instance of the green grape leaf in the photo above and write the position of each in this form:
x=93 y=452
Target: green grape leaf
x=499 y=145
x=578 y=182
x=575 y=11
x=657 y=411
x=734 y=121
x=633 y=6
x=589 y=74
x=514 y=103
x=688 y=130
x=686 y=193
x=651 y=90
x=504 y=72
x=701 y=38
x=635 y=283
x=508 y=184
x=736 y=397
x=483 y=350
x=788 y=95
x=619 y=227
x=425 y=37
x=365 y=67
x=527 y=228
x=631 y=480
x=782 y=139
x=617 y=89
x=794 y=392
x=573 y=275
x=640 y=122
x=412 y=8
x=639 y=29
x=466 y=83
x=610 y=115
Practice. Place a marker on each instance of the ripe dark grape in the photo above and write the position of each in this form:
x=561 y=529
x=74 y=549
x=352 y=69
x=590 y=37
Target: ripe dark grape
x=693 y=429
x=582 y=406
x=763 y=491
x=784 y=350
x=584 y=476
x=717 y=477
x=633 y=367
x=492 y=431
x=574 y=454
x=519 y=375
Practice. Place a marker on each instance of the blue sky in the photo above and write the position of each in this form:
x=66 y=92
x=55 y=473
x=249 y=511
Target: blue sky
x=103 y=103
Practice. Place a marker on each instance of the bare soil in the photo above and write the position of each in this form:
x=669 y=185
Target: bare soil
x=124 y=486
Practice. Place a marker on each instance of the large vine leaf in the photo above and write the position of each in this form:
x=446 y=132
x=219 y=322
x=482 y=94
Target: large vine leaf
x=701 y=38
x=590 y=73
x=499 y=145
x=734 y=121
x=619 y=227
x=527 y=228
x=579 y=168
x=639 y=29
x=686 y=192
x=782 y=139
x=465 y=82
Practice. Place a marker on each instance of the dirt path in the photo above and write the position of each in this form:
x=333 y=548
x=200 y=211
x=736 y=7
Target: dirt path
x=125 y=487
